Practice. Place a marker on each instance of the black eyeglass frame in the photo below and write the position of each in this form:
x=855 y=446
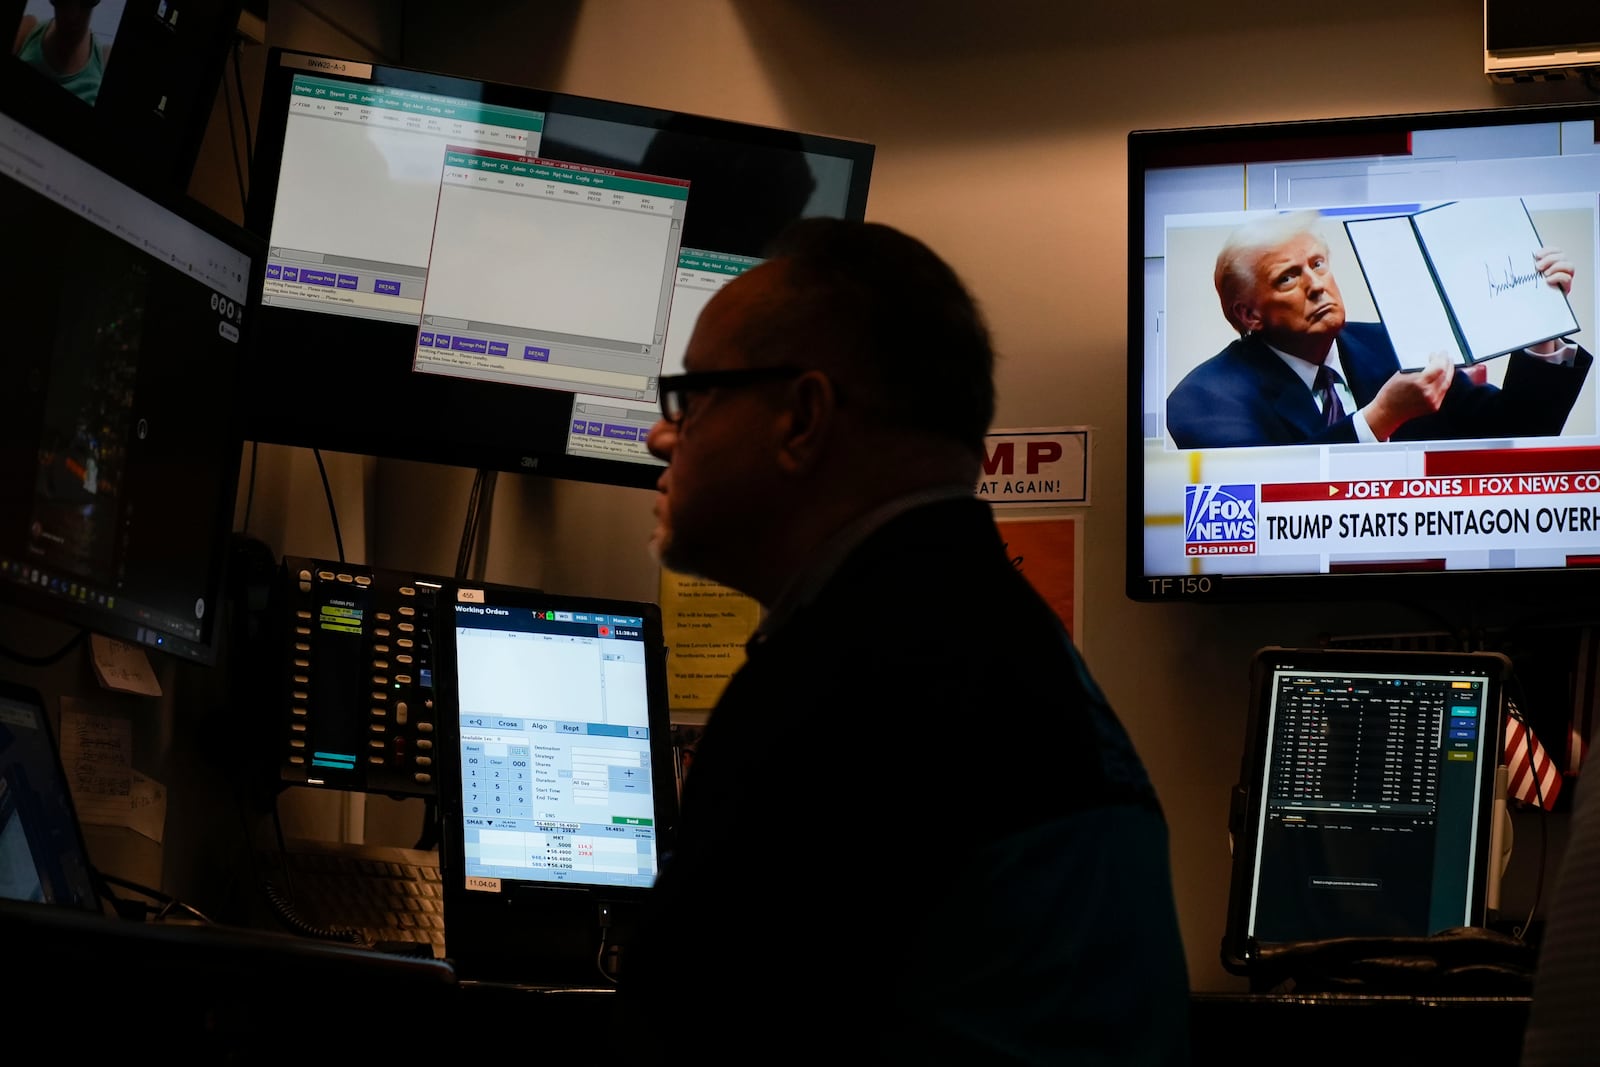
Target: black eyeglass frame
x=674 y=388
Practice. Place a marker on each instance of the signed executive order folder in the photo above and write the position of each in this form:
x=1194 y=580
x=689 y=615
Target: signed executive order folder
x=1459 y=278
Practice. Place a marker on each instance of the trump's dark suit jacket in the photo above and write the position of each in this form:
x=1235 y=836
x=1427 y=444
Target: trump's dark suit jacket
x=1247 y=395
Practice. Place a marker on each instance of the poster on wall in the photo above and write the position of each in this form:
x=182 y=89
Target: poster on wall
x=1036 y=467
x=1049 y=553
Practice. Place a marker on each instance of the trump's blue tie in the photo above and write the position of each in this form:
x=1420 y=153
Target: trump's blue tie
x=1332 y=409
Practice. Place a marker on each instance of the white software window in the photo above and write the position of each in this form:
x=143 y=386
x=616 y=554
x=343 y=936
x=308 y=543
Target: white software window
x=550 y=274
x=607 y=428
x=353 y=218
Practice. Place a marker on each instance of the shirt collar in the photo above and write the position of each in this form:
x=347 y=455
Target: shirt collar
x=1307 y=370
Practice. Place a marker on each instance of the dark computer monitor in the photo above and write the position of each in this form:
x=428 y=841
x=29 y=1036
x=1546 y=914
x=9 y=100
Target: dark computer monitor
x=494 y=276
x=119 y=447
x=140 y=74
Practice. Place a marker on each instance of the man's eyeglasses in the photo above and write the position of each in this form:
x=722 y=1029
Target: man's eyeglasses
x=675 y=389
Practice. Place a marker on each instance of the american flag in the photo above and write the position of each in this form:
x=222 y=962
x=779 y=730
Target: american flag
x=1532 y=776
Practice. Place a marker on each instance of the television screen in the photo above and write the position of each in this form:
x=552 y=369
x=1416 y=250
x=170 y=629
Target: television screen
x=119 y=449
x=495 y=276
x=142 y=76
x=1361 y=356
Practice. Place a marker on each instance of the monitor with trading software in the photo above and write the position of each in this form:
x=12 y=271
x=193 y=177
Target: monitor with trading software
x=556 y=793
x=119 y=456
x=494 y=276
x=1365 y=805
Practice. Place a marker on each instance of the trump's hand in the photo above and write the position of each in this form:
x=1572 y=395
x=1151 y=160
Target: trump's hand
x=1408 y=394
x=1557 y=269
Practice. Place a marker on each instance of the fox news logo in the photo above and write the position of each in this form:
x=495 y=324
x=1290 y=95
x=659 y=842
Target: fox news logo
x=1219 y=520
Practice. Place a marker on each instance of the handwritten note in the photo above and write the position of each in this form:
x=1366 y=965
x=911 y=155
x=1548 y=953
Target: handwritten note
x=122 y=666
x=97 y=753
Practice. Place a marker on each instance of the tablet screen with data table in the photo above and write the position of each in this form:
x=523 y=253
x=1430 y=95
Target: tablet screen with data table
x=1366 y=800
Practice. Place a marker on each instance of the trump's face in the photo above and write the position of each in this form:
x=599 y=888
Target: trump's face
x=1293 y=302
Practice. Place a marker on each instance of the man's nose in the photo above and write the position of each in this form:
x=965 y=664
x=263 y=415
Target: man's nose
x=661 y=438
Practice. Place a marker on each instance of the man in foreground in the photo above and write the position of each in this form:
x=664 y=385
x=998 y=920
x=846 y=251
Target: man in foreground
x=914 y=830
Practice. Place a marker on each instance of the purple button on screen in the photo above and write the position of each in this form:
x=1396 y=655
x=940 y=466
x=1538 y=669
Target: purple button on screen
x=498 y=348
x=540 y=354
x=274 y=270
x=317 y=277
x=347 y=281
x=621 y=433
x=468 y=344
x=291 y=274
x=388 y=288
x=596 y=429
x=580 y=426
x=441 y=340
x=425 y=338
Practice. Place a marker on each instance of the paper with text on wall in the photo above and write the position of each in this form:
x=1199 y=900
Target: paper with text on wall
x=97 y=755
x=706 y=627
x=123 y=667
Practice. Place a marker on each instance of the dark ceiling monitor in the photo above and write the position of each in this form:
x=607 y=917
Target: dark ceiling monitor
x=1379 y=241
x=141 y=74
x=119 y=446
x=495 y=276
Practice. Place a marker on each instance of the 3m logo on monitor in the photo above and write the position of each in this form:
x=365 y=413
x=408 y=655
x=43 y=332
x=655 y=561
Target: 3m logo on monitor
x=1219 y=520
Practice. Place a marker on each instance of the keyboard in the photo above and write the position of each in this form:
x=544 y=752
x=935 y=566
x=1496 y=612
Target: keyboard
x=391 y=896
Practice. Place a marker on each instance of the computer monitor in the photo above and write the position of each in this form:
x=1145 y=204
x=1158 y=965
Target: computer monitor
x=494 y=276
x=140 y=75
x=1239 y=486
x=119 y=453
x=556 y=793
x=1365 y=805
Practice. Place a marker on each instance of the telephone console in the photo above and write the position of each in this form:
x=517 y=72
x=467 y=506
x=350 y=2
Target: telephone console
x=356 y=688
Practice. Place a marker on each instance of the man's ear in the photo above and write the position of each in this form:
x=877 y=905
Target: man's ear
x=807 y=421
x=1246 y=316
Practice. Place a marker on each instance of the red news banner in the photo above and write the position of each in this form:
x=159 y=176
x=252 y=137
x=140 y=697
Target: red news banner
x=1525 y=499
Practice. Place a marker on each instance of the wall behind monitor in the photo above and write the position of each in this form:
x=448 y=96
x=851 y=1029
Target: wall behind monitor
x=1001 y=142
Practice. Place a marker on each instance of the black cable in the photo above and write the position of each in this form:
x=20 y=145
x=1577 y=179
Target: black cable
x=168 y=903
x=333 y=512
x=48 y=658
x=282 y=900
x=244 y=106
x=250 y=490
x=469 y=526
x=233 y=146
x=479 y=501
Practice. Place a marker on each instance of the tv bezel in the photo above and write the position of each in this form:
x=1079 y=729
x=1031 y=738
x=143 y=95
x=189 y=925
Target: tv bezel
x=378 y=405
x=1289 y=141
